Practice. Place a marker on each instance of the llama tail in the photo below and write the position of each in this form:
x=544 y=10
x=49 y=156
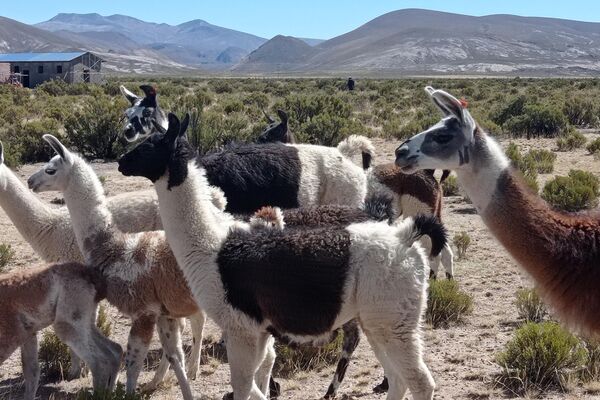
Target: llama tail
x=355 y=143
x=412 y=229
x=380 y=207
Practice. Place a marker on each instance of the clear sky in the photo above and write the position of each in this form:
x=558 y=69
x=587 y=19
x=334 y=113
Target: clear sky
x=322 y=19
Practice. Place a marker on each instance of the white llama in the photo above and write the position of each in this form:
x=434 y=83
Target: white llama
x=299 y=284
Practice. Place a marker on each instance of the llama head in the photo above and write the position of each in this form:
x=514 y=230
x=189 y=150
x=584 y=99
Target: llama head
x=143 y=113
x=277 y=131
x=161 y=153
x=55 y=174
x=445 y=145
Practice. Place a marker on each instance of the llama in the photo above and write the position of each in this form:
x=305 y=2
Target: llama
x=142 y=277
x=255 y=284
x=40 y=297
x=559 y=250
x=418 y=193
x=49 y=232
x=274 y=174
x=142 y=113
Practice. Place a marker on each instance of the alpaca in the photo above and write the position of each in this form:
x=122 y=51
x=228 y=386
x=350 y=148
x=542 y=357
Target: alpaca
x=559 y=250
x=141 y=272
x=418 y=193
x=40 y=297
x=255 y=284
x=273 y=174
x=49 y=232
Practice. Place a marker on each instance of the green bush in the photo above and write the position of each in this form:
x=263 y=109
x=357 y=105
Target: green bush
x=530 y=306
x=581 y=112
x=542 y=160
x=95 y=129
x=594 y=146
x=577 y=191
x=573 y=140
x=291 y=360
x=25 y=140
x=462 y=241
x=118 y=394
x=450 y=186
x=446 y=303
x=526 y=164
x=541 y=355
x=537 y=120
x=6 y=255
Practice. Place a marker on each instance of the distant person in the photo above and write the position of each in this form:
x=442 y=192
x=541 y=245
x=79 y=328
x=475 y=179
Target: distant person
x=350 y=84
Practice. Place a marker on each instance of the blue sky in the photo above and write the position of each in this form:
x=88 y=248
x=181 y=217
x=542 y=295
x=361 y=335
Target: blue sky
x=303 y=18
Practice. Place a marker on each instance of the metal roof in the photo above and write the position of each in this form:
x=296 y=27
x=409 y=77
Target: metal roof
x=39 y=57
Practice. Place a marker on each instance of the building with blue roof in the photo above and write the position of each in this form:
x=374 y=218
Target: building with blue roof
x=31 y=69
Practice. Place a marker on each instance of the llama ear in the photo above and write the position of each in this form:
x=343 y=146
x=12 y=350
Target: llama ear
x=449 y=104
x=174 y=127
x=283 y=116
x=1 y=154
x=148 y=90
x=131 y=97
x=184 y=125
x=269 y=119
x=61 y=150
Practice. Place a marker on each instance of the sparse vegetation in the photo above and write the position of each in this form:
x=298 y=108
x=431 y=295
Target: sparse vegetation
x=6 y=255
x=530 y=306
x=462 y=241
x=541 y=160
x=571 y=141
x=541 y=355
x=594 y=146
x=577 y=191
x=290 y=361
x=446 y=303
x=118 y=394
x=450 y=186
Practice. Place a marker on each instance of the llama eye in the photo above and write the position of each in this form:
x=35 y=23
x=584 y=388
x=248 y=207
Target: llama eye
x=443 y=139
x=50 y=171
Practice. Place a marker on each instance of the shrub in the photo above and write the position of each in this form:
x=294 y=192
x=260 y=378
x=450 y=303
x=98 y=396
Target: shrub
x=462 y=241
x=6 y=255
x=27 y=139
x=577 y=191
x=594 y=146
x=54 y=355
x=450 y=186
x=581 y=112
x=542 y=160
x=530 y=306
x=95 y=128
x=513 y=108
x=118 y=394
x=541 y=355
x=537 y=120
x=573 y=140
x=290 y=360
x=446 y=303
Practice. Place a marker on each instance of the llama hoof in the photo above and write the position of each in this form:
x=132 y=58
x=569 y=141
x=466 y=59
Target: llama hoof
x=274 y=389
x=383 y=387
x=450 y=277
x=228 y=396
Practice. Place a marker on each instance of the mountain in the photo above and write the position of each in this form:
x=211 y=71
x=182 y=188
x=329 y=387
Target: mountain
x=278 y=54
x=193 y=43
x=18 y=37
x=415 y=41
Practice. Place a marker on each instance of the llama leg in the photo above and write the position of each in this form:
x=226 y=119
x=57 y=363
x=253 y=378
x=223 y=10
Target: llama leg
x=393 y=383
x=112 y=354
x=263 y=375
x=77 y=367
x=351 y=340
x=244 y=359
x=405 y=352
x=170 y=338
x=159 y=375
x=197 y=322
x=31 y=367
x=448 y=261
x=434 y=264
x=137 y=348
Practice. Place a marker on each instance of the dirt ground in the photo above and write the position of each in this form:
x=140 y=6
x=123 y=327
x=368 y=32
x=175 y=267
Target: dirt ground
x=461 y=358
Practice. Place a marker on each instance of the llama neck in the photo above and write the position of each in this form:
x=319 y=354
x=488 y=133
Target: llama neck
x=32 y=217
x=90 y=216
x=192 y=224
x=560 y=251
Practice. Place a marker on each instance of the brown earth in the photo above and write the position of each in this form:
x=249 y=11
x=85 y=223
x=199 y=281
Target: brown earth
x=461 y=358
